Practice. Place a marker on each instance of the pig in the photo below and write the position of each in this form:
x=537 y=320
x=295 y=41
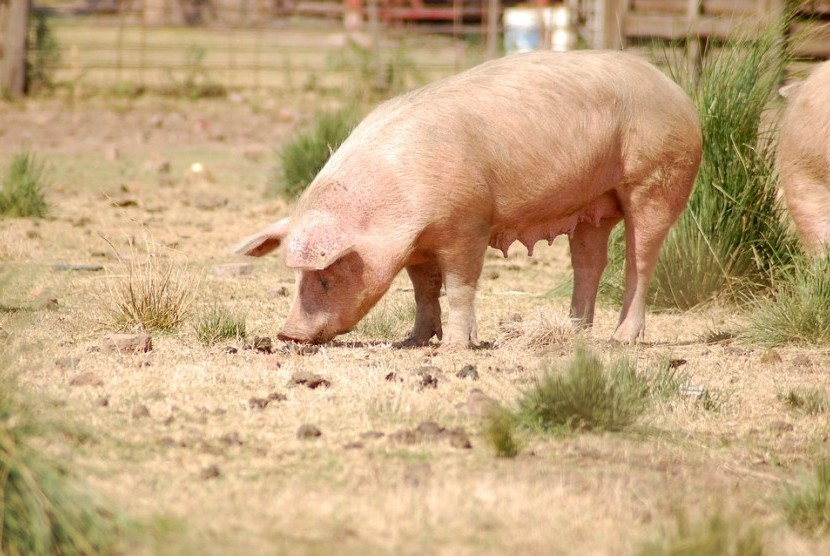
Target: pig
x=522 y=148
x=803 y=159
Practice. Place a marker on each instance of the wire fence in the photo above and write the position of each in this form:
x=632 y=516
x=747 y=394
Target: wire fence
x=246 y=46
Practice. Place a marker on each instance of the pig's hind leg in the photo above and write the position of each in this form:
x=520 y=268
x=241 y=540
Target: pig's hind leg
x=461 y=265
x=426 y=280
x=650 y=208
x=589 y=257
x=808 y=202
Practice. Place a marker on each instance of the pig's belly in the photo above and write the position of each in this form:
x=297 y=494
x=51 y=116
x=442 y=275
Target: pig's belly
x=529 y=231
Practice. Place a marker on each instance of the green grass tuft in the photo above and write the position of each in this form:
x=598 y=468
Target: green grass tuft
x=797 y=313
x=500 y=432
x=713 y=536
x=44 y=511
x=585 y=396
x=389 y=320
x=807 y=509
x=304 y=156
x=811 y=401
x=219 y=325
x=22 y=193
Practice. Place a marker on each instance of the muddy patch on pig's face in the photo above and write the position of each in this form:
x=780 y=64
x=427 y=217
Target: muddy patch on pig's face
x=331 y=301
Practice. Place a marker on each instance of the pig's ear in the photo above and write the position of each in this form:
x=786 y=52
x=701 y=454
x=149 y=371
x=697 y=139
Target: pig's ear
x=264 y=241
x=319 y=241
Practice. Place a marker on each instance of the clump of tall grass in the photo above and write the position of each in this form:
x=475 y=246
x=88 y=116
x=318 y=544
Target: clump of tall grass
x=797 y=312
x=732 y=238
x=715 y=535
x=304 y=156
x=807 y=508
x=584 y=396
x=43 y=511
x=218 y=325
x=23 y=188
x=154 y=294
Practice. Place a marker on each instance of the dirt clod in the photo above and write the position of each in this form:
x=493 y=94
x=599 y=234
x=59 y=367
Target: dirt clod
x=140 y=412
x=86 y=379
x=371 y=435
x=103 y=401
x=258 y=403
x=405 y=436
x=430 y=430
x=210 y=472
x=459 y=439
x=770 y=357
x=468 y=371
x=277 y=397
x=230 y=350
x=127 y=343
x=231 y=439
x=427 y=376
x=353 y=446
x=261 y=344
x=281 y=291
x=307 y=431
x=308 y=379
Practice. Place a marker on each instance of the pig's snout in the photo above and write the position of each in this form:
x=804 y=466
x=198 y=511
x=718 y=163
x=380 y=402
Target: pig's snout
x=291 y=334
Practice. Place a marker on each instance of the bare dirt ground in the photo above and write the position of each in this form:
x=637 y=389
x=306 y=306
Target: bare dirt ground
x=207 y=469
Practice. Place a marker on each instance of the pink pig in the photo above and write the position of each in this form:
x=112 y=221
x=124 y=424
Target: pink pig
x=804 y=159
x=526 y=148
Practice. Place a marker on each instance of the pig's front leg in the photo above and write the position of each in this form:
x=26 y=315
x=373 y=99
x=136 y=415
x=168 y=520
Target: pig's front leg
x=589 y=257
x=461 y=270
x=426 y=280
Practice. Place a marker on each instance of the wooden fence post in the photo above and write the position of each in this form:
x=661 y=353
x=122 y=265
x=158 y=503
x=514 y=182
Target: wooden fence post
x=13 y=61
x=694 y=45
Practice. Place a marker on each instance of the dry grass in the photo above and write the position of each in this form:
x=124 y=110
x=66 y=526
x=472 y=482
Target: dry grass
x=544 y=330
x=347 y=491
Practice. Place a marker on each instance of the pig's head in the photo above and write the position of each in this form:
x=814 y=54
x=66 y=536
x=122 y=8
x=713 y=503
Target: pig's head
x=340 y=274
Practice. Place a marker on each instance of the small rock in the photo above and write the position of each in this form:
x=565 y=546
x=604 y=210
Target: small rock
x=459 y=439
x=68 y=362
x=801 y=361
x=308 y=431
x=258 y=403
x=692 y=391
x=310 y=380
x=231 y=439
x=210 y=472
x=468 y=371
x=770 y=357
x=233 y=269
x=140 y=412
x=103 y=401
x=86 y=379
x=127 y=343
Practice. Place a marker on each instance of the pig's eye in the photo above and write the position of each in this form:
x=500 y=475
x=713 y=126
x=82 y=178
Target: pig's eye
x=324 y=282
